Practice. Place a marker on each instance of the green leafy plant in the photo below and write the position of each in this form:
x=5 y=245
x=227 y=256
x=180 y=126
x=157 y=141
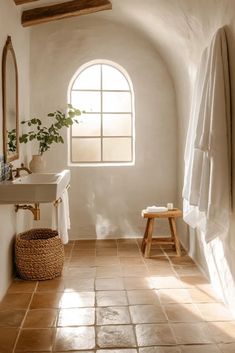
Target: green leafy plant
x=46 y=136
x=11 y=142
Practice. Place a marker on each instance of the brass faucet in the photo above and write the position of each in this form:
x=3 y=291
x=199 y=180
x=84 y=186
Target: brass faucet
x=35 y=210
x=17 y=171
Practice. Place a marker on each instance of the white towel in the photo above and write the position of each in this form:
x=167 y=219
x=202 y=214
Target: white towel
x=156 y=209
x=207 y=182
x=60 y=217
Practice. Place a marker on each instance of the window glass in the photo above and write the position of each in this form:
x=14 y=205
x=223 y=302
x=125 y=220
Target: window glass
x=105 y=133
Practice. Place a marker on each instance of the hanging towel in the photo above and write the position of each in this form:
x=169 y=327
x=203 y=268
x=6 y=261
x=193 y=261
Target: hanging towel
x=207 y=181
x=60 y=217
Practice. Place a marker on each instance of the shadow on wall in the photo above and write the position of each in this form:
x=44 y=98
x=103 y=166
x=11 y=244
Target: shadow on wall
x=106 y=215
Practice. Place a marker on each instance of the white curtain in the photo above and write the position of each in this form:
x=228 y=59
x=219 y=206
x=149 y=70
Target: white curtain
x=207 y=179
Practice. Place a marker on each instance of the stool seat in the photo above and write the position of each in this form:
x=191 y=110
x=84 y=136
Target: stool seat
x=173 y=239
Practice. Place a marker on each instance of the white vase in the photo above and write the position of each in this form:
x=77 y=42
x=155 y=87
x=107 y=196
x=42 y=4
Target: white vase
x=37 y=164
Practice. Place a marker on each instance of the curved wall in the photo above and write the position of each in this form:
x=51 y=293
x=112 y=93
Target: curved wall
x=107 y=201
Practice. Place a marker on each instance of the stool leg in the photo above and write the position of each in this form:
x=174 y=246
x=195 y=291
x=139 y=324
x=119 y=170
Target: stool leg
x=149 y=238
x=172 y=233
x=143 y=245
x=176 y=238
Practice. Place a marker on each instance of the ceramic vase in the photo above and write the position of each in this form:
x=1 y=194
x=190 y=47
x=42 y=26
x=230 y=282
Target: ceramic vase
x=37 y=164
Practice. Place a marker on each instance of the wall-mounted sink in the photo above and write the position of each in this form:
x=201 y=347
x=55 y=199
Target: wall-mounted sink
x=34 y=188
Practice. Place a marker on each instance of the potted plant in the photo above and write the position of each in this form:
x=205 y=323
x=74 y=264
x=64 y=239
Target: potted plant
x=46 y=136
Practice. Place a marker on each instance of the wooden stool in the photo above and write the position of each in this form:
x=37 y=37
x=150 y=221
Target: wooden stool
x=173 y=239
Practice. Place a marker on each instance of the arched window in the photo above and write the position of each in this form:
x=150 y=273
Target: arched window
x=105 y=135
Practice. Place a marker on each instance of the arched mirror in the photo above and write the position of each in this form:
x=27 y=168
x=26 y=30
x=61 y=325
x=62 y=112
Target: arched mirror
x=10 y=103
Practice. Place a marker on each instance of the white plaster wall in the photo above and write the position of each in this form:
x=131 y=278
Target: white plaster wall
x=10 y=25
x=106 y=201
x=195 y=22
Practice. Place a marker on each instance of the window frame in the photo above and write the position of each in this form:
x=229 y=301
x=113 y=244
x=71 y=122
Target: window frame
x=131 y=113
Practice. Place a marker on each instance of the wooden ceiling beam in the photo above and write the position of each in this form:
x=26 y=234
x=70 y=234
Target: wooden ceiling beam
x=21 y=2
x=63 y=10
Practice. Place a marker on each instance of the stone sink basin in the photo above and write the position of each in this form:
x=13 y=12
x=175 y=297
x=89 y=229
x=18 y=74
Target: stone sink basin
x=34 y=188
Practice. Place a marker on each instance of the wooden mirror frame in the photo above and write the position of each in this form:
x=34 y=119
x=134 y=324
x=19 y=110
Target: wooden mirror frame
x=8 y=49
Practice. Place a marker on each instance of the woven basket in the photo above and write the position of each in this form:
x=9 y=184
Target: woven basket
x=39 y=254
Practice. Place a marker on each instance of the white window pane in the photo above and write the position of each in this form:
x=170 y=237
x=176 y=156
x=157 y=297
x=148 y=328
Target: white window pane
x=88 y=101
x=117 y=149
x=86 y=150
x=113 y=79
x=89 y=125
x=117 y=125
x=116 y=102
x=90 y=78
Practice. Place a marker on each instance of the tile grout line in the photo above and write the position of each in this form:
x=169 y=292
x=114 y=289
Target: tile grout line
x=24 y=318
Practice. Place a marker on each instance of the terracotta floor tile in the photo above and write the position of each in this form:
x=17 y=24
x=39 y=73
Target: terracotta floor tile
x=222 y=332
x=112 y=316
x=15 y=301
x=134 y=270
x=111 y=298
x=62 y=300
x=106 y=252
x=128 y=241
x=107 y=261
x=156 y=252
x=202 y=296
x=173 y=349
x=143 y=296
x=82 y=261
x=191 y=333
x=160 y=270
x=115 y=336
x=193 y=281
x=154 y=334
x=11 y=318
x=128 y=245
x=167 y=305
x=157 y=261
x=76 y=317
x=104 y=244
x=80 y=272
x=76 y=338
x=214 y=312
x=130 y=350
x=46 y=300
x=169 y=296
x=81 y=284
x=227 y=348
x=183 y=313
x=35 y=340
x=7 y=339
x=85 y=244
x=109 y=284
x=131 y=261
x=208 y=348
x=41 y=318
x=72 y=352
x=147 y=314
x=166 y=282
x=20 y=286
x=129 y=253
x=137 y=283
x=56 y=284
x=77 y=252
x=108 y=272
x=187 y=270
x=181 y=260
